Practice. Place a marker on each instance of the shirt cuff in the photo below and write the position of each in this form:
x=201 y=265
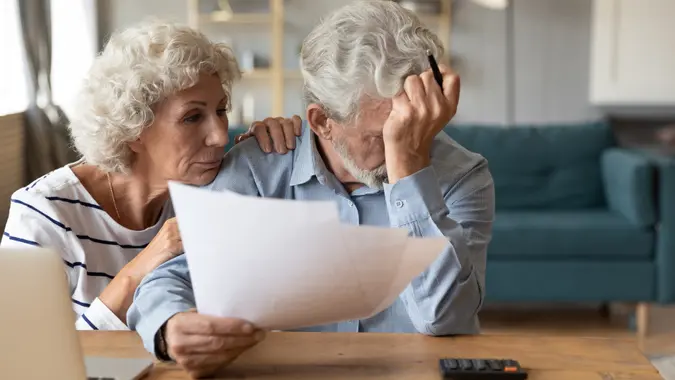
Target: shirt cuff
x=99 y=317
x=148 y=324
x=413 y=198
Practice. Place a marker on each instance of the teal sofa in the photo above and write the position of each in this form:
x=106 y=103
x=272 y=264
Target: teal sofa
x=577 y=218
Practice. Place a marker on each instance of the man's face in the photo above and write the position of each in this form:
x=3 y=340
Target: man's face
x=360 y=145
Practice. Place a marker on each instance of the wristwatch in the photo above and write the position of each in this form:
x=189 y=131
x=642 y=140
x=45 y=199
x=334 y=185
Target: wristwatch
x=161 y=348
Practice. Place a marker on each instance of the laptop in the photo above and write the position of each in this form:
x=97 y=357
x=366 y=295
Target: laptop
x=38 y=339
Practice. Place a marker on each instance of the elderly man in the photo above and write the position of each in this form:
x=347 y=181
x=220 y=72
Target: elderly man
x=374 y=146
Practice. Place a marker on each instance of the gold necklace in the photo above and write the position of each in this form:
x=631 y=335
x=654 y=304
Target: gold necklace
x=112 y=195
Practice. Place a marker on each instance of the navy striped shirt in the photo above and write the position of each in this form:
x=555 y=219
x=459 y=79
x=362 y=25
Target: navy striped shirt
x=56 y=211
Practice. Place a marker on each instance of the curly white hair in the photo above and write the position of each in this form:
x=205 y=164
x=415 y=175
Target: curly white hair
x=139 y=67
x=366 y=48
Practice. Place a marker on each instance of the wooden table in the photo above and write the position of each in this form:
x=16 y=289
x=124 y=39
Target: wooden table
x=403 y=356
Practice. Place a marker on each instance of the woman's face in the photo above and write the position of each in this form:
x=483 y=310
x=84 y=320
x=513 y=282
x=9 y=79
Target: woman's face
x=186 y=140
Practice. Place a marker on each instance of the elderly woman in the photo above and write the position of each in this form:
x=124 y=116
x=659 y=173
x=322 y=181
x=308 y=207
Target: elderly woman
x=153 y=109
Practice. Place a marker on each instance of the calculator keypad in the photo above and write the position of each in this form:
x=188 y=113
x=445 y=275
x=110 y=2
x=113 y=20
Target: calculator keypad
x=478 y=369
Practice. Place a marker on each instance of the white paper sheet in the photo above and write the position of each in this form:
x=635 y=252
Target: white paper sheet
x=284 y=264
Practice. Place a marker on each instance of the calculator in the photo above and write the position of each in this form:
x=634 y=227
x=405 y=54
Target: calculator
x=481 y=369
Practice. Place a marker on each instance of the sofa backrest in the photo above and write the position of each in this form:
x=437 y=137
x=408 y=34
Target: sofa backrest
x=541 y=167
x=234 y=131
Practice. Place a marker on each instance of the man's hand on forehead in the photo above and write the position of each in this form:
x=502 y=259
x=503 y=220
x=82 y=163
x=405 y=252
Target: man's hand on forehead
x=418 y=114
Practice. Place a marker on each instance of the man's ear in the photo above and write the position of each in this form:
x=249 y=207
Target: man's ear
x=318 y=121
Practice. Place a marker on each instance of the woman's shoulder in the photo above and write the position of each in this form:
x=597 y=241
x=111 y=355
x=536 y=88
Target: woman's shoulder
x=59 y=182
x=48 y=197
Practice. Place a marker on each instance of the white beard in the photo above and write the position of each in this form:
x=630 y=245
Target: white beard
x=375 y=178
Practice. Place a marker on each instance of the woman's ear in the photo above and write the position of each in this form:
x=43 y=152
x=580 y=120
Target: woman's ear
x=136 y=146
x=318 y=121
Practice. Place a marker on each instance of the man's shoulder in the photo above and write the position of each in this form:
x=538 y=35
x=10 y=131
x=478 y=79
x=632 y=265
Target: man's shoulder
x=247 y=162
x=453 y=162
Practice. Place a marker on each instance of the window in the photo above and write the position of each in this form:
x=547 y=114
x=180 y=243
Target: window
x=74 y=42
x=13 y=79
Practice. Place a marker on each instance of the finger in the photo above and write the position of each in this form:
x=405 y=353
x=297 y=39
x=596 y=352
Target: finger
x=431 y=87
x=446 y=70
x=451 y=84
x=451 y=89
x=297 y=125
x=202 y=365
x=401 y=103
x=208 y=325
x=211 y=344
x=435 y=99
x=400 y=99
x=401 y=109
x=289 y=132
x=414 y=88
x=259 y=130
x=241 y=137
x=177 y=249
x=276 y=133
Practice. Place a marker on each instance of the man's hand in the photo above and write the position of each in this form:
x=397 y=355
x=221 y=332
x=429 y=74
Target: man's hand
x=418 y=114
x=203 y=344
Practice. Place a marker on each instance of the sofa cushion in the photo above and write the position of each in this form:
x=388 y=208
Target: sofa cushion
x=535 y=167
x=569 y=234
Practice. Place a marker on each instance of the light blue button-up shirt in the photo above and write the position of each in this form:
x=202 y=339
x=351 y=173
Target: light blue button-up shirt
x=453 y=197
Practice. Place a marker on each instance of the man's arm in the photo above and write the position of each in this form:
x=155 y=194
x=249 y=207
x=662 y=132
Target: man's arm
x=168 y=289
x=446 y=298
x=163 y=293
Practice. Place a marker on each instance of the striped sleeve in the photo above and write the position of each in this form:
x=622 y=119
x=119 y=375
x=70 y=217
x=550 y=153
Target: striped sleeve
x=34 y=222
x=99 y=317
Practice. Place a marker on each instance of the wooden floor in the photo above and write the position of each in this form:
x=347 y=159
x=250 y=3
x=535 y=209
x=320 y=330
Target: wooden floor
x=659 y=344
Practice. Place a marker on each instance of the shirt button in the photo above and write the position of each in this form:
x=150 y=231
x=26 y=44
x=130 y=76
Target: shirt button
x=399 y=204
x=351 y=204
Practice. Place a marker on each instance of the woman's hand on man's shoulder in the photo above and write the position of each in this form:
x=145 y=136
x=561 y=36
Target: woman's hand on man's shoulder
x=274 y=133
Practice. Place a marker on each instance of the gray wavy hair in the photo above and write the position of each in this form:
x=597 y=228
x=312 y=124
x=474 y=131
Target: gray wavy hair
x=139 y=67
x=366 y=48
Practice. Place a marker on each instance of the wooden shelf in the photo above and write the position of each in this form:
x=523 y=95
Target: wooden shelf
x=257 y=74
x=267 y=74
x=236 y=18
x=293 y=74
x=430 y=19
x=274 y=23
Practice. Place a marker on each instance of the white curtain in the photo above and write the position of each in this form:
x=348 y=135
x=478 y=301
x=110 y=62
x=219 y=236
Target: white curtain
x=74 y=46
x=13 y=73
x=59 y=42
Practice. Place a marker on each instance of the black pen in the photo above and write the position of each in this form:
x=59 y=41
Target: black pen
x=434 y=67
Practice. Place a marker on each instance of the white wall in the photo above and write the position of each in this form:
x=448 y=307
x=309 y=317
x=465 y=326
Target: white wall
x=538 y=76
x=551 y=61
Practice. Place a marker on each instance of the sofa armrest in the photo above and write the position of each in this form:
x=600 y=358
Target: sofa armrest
x=629 y=184
x=665 y=240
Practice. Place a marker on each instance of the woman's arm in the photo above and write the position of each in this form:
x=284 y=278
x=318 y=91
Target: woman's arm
x=34 y=222
x=119 y=294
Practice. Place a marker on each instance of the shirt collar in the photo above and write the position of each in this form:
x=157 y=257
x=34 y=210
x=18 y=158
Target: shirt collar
x=308 y=162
